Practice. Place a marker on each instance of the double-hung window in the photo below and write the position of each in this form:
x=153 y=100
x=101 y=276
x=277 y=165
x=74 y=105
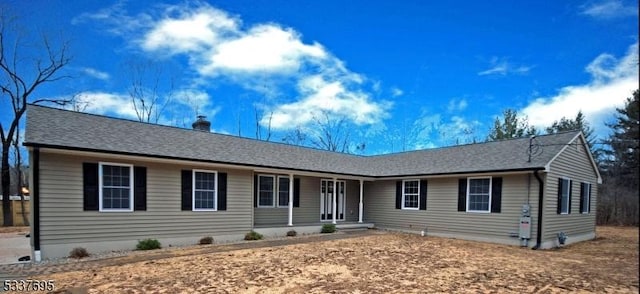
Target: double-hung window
x=585 y=197
x=479 y=194
x=411 y=194
x=116 y=187
x=266 y=188
x=205 y=190
x=565 y=190
x=283 y=191
x=273 y=191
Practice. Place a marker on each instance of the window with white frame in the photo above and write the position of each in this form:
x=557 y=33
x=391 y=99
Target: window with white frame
x=564 y=201
x=283 y=191
x=585 y=197
x=410 y=194
x=479 y=194
x=204 y=190
x=116 y=187
x=266 y=188
x=273 y=191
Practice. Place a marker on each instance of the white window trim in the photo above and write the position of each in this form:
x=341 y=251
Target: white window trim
x=403 y=194
x=588 y=199
x=100 y=180
x=490 y=192
x=193 y=190
x=568 y=191
x=277 y=199
x=274 y=191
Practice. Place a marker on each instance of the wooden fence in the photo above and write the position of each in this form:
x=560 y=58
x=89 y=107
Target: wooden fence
x=17 y=212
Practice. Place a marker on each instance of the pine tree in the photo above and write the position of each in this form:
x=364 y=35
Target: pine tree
x=579 y=123
x=618 y=203
x=511 y=126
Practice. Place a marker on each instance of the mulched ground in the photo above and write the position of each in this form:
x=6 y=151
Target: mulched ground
x=378 y=263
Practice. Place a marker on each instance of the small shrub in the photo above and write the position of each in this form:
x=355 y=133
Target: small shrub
x=253 y=235
x=206 y=240
x=328 y=228
x=292 y=233
x=148 y=244
x=78 y=253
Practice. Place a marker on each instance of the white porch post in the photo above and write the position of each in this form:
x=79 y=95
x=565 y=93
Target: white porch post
x=290 y=200
x=360 y=204
x=335 y=200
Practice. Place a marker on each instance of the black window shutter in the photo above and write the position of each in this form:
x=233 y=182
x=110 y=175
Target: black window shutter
x=569 y=202
x=140 y=188
x=462 y=194
x=398 y=194
x=255 y=190
x=496 y=194
x=186 y=190
x=423 y=194
x=583 y=194
x=559 y=195
x=90 y=186
x=589 y=203
x=296 y=192
x=222 y=191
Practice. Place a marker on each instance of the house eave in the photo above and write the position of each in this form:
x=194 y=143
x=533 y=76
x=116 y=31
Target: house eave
x=461 y=173
x=266 y=169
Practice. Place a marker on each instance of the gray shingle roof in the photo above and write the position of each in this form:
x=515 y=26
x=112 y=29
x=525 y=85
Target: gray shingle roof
x=73 y=130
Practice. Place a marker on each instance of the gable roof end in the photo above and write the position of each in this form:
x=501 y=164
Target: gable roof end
x=594 y=165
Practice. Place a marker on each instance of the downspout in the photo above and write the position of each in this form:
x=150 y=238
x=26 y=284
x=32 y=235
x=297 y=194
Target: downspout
x=35 y=200
x=540 y=210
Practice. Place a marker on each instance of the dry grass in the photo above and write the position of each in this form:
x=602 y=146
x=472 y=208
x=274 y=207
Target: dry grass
x=380 y=264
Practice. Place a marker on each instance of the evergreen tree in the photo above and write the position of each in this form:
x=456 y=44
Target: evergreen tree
x=578 y=123
x=618 y=201
x=511 y=126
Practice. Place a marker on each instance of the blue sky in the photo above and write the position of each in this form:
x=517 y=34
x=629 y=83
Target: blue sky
x=400 y=75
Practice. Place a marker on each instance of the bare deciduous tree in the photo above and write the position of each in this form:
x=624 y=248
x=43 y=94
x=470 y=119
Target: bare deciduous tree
x=259 y=127
x=327 y=132
x=19 y=176
x=19 y=78
x=149 y=101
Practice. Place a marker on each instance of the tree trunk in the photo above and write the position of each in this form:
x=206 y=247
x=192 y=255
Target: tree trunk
x=6 y=186
x=25 y=218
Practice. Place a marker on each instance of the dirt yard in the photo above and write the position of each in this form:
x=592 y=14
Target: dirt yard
x=379 y=263
x=21 y=230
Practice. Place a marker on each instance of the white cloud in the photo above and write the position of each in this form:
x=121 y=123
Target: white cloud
x=281 y=50
x=105 y=103
x=502 y=67
x=195 y=30
x=395 y=92
x=332 y=98
x=613 y=80
x=218 y=46
x=92 y=72
x=457 y=105
x=609 y=9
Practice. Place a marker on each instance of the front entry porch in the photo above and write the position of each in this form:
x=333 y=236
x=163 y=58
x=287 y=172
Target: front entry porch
x=309 y=228
x=315 y=201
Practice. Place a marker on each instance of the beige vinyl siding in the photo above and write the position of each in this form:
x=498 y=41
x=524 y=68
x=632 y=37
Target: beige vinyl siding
x=64 y=221
x=309 y=210
x=573 y=163
x=442 y=215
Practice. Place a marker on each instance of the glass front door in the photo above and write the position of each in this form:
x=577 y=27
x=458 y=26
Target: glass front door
x=326 y=200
